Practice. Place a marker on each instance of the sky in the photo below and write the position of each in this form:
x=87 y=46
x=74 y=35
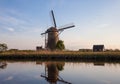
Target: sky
x=96 y=22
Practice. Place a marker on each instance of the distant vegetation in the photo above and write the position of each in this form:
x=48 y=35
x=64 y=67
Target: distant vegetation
x=106 y=50
x=85 y=50
x=112 y=50
x=3 y=47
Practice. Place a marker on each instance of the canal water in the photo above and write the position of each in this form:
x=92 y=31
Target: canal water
x=48 y=72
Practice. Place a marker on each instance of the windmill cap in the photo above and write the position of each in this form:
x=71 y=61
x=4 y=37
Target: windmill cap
x=52 y=29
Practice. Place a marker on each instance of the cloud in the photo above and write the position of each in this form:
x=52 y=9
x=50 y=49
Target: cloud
x=55 y=3
x=11 y=29
x=103 y=25
x=12 y=20
x=9 y=78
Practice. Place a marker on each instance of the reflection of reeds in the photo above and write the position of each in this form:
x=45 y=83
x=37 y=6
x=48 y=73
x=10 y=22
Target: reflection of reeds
x=61 y=55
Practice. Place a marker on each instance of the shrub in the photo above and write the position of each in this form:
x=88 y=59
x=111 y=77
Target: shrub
x=60 y=45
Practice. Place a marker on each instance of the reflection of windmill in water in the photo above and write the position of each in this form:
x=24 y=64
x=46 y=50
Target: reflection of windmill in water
x=52 y=73
x=52 y=38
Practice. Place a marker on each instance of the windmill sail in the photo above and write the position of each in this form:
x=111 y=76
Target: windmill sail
x=66 y=27
x=53 y=17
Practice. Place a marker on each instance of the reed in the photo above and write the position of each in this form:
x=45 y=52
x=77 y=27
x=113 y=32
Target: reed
x=61 y=55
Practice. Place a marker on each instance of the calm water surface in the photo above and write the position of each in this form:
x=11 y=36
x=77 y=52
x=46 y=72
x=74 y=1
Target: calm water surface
x=38 y=72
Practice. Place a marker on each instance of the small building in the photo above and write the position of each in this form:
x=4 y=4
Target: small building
x=98 y=48
x=39 y=48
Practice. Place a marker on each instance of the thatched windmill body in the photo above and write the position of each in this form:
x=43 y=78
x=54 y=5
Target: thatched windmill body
x=52 y=34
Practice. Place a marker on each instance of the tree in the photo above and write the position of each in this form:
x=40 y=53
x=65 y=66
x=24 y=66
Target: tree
x=60 y=45
x=3 y=47
x=116 y=50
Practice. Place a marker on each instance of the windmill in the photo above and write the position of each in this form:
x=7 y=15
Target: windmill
x=52 y=34
x=52 y=73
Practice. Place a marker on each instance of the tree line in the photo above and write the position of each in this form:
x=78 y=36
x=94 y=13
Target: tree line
x=3 y=47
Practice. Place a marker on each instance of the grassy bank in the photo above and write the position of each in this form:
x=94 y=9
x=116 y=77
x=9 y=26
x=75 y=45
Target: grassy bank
x=61 y=55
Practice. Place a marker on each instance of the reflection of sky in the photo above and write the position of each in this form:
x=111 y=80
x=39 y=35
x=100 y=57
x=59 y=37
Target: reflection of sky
x=82 y=73
x=76 y=73
x=97 y=22
x=21 y=73
x=9 y=78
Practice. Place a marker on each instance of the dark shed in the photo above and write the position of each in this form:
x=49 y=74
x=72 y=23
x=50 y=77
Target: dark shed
x=39 y=48
x=98 y=48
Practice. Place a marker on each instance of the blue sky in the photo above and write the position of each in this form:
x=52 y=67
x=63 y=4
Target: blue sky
x=96 y=21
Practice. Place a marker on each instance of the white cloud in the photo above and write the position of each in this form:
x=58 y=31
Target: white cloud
x=12 y=20
x=11 y=29
x=103 y=25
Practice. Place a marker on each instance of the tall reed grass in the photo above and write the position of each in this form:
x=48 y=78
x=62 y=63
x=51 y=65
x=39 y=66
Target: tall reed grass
x=60 y=55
